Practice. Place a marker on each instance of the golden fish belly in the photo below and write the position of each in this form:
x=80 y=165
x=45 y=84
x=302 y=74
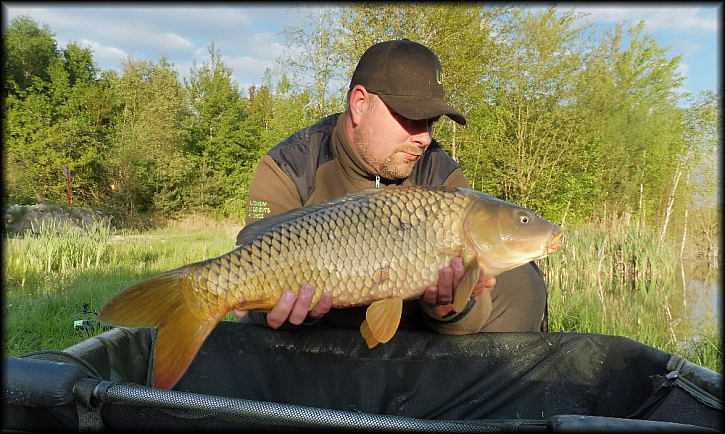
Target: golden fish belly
x=391 y=245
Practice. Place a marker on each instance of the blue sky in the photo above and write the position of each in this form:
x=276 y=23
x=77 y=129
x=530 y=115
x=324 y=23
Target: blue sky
x=247 y=35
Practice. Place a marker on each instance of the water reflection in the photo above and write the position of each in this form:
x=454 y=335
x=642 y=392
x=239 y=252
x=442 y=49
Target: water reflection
x=702 y=298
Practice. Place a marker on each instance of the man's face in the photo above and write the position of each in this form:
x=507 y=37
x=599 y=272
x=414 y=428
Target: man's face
x=388 y=142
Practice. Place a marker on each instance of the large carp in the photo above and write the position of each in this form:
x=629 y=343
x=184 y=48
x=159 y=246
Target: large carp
x=376 y=247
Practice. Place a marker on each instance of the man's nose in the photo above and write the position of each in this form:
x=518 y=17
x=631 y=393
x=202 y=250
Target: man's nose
x=421 y=134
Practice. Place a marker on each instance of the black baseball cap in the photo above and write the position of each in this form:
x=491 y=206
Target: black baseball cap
x=408 y=76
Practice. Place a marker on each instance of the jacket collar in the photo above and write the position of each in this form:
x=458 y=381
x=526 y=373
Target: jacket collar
x=350 y=160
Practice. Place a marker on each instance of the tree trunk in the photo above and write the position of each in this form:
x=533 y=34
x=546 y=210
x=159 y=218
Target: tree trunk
x=671 y=201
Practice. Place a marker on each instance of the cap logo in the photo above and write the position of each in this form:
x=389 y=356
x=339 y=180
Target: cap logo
x=439 y=76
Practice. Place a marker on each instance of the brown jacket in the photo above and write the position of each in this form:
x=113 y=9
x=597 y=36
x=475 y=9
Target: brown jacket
x=317 y=164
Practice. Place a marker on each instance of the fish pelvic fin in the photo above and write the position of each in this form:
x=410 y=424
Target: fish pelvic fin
x=259 y=305
x=182 y=327
x=465 y=287
x=382 y=319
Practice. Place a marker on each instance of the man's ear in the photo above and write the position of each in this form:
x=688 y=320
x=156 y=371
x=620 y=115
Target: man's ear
x=358 y=98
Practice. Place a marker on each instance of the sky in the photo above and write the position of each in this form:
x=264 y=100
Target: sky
x=248 y=35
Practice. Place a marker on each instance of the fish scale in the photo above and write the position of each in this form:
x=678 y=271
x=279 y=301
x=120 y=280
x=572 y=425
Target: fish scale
x=377 y=247
x=276 y=269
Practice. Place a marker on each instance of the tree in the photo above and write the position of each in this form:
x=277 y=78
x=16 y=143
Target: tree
x=630 y=107
x=223 y=140
x=151 y=167
x=310 y=60
x=291 y=111
x=78 y=63
x=701 y=197
x=53 y=118
x=29 y=50
x=530 y=150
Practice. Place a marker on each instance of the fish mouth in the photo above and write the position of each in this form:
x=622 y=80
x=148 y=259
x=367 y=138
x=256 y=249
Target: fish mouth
x=554 y=244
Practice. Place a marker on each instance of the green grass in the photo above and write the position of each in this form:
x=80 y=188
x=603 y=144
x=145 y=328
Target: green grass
x=611 y=278
x=50 y=273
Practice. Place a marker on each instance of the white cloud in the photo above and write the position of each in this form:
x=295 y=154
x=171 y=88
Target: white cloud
x=247 y=71
x=103 y=54
x=177 y=40
x=679 y=19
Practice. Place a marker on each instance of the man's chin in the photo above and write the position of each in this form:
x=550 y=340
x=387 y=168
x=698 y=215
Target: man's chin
x=398 y=171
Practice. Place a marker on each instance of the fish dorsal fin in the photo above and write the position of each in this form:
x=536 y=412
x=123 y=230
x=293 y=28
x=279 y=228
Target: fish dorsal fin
x=260 y=227
x=381 y=320
x=465 y=288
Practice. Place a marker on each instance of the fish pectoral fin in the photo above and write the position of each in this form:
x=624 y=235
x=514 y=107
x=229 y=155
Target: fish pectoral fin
x=381 y=320
x=465 y=288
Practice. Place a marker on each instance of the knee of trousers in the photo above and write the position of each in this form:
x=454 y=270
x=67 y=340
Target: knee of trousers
x=518 y=300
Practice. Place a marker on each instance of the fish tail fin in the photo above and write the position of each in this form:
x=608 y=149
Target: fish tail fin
x=160 y=302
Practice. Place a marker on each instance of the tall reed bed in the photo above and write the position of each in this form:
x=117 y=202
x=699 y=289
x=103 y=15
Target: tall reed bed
x=615 y=277
x=55 y=247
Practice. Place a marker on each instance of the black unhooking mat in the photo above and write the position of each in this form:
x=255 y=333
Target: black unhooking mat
x=250 y=377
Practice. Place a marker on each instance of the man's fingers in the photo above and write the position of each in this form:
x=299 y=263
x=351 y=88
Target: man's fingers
x=323 y=306
x=301 y=307
x=483 y=283
x=457 y=267
x=430 y=296
x=445 y=286
x=239 y=313
x=281 y=311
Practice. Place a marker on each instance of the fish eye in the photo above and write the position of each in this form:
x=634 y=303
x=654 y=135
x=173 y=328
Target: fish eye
x=523 y=218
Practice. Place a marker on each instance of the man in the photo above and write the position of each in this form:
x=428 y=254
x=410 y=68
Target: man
x=384 y=139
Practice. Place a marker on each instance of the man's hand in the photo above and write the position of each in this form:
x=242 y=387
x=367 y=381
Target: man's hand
x=441 y=296
x=293 y=308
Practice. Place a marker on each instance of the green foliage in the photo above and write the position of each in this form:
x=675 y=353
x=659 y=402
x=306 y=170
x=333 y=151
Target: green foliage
x=152 y=134
x=631 y=113
x=224 y=142
x=28 y=51
x=54 y=122
x=52 y=272
x=531 y=151
x=286 y=118
x=54 y=247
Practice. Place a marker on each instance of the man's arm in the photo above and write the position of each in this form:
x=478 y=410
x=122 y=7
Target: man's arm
x=272 y=193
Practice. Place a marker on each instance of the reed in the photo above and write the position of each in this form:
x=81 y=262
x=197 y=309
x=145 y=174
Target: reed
x=616 y=277
x=55 y=247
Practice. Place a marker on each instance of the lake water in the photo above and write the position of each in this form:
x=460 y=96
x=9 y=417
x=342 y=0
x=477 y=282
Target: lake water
x=702 y=299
